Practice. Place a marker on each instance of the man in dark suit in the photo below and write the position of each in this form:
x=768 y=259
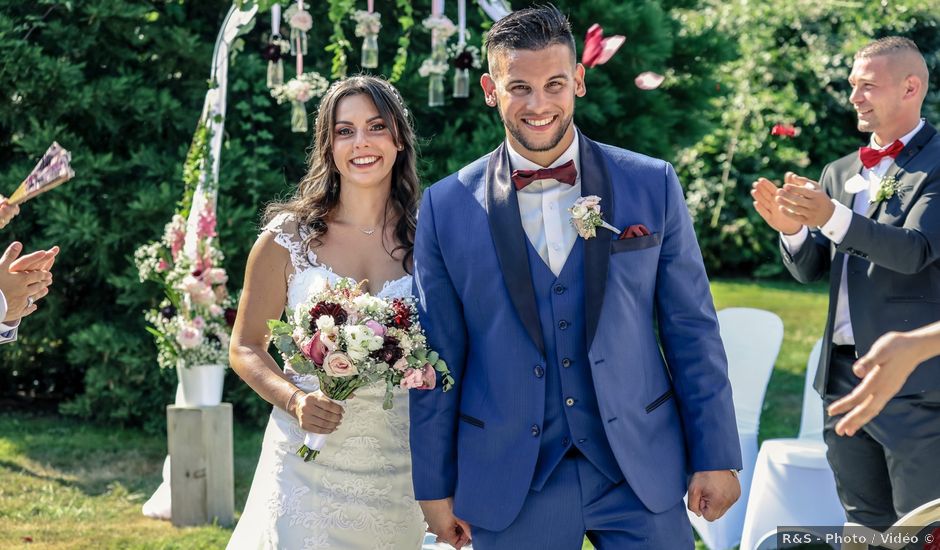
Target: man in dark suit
x=872 y=223
x=571 y=414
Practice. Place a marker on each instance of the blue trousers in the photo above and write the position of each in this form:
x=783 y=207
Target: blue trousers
x=577 y=500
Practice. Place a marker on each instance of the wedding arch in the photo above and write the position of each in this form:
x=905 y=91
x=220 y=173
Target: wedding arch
x=189 y=325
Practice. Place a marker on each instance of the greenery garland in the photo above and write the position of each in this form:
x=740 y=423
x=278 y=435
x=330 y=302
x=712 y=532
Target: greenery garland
x=338 y=43
x=196 y=166
x=406 y=20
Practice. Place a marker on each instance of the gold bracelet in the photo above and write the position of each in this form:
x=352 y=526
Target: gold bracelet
x=734 y=473
x=291 y=400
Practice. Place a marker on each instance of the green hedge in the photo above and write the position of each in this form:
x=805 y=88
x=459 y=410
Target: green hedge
x=121 y=85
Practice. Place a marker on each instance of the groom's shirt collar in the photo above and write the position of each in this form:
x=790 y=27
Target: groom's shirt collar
x=519 y=162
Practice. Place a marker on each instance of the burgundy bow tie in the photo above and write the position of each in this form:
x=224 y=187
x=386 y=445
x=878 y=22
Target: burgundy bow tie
x=871 y=157
x=566 y=173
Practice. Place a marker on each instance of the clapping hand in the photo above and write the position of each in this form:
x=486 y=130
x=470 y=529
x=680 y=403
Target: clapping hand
x=802 y=200
x=764 y=193
x=25 y=280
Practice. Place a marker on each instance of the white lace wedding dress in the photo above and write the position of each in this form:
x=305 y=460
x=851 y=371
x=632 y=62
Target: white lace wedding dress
x=357 y=494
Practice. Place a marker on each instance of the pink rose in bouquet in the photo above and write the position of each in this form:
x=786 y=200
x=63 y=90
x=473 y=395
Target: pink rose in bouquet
x=339 y=364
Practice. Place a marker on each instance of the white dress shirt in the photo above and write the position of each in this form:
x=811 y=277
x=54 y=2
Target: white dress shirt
x=838 y=225
x=7 y=332
x=543 y=208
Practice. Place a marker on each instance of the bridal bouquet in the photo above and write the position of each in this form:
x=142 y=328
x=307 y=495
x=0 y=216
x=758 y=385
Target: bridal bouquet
x=349 y=339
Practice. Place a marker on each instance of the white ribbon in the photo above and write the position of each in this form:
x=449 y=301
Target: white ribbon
x=313 y=441
x=276 y=20
x=461 y=22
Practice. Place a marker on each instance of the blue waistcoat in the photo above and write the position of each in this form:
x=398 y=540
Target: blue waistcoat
x=572 y=416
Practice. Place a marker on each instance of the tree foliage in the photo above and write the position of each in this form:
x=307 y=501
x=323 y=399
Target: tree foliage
x=793 y=64
x=121 y=85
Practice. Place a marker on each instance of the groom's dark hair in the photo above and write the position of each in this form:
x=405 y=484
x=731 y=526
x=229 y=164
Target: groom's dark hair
x=534 y=28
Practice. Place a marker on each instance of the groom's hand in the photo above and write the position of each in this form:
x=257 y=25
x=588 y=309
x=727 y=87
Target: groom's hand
x=442 y=522
x=712 y=492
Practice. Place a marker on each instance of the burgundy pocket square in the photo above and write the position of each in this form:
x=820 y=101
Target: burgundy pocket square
x=638 y=230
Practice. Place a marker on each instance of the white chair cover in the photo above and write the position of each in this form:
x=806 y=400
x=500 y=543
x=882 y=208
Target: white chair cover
x=793 y=482
x=752 y=339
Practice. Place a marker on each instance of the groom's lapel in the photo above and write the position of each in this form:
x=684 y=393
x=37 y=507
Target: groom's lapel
x=595 y=180
x=910 y=151
x=509 y=238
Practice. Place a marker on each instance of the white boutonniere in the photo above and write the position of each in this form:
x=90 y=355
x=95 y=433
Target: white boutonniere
x=586 y=217
x=887 y=189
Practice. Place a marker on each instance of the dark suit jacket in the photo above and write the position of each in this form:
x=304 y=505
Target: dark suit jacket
x=893 y=274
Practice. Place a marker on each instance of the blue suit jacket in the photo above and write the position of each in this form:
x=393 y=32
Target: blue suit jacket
x=667 y=410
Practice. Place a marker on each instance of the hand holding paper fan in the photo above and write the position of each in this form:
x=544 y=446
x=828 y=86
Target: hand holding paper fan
x=52 y=170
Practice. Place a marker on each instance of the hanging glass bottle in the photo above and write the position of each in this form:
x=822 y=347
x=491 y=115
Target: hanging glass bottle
x=300 y=23
x=462 y=83
x=435 y=90
x=370 y=51
x=298 y=117
x=274 y=55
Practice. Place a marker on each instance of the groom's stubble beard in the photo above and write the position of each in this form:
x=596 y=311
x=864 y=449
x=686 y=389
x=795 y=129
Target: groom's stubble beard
x=517 y=134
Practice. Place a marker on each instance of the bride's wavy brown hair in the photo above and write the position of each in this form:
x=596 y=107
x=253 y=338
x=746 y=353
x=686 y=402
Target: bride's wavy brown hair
x=317 y=195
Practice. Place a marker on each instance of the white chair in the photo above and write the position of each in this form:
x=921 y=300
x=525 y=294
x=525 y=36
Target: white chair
x=793 y=483
x=752 y=339
x=908 y=526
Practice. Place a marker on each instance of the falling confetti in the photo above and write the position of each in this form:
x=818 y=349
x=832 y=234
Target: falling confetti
x=597 y=49
x=649 y=80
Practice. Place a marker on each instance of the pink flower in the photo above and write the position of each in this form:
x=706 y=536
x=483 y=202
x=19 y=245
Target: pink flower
x=206 y=225
x=339 y=364
x=216 y=310
x=162 y=266
x=199 y=322
x=314 y=349
x=597 y=49
x=177 y=245
x=204 y=296
x=189 y=337
x=412 y=379
x=192 y=285
x=401 y=364
x=216 y=276
x=377 y=328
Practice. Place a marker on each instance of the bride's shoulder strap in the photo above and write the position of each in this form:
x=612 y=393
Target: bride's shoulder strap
x=291 y=235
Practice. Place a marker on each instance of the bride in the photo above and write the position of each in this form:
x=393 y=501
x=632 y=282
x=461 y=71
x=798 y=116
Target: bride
x=353 y=215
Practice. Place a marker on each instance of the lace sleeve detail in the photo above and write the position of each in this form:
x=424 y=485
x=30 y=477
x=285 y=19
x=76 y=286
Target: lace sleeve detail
x=290 y=235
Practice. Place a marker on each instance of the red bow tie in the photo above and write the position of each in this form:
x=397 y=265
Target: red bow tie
x=566 y=173
x=871 y=157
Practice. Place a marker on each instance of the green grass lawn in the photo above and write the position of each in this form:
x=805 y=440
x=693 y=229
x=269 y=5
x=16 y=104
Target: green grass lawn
x=68 y=485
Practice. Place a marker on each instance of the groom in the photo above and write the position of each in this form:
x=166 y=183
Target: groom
x=571 y=413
